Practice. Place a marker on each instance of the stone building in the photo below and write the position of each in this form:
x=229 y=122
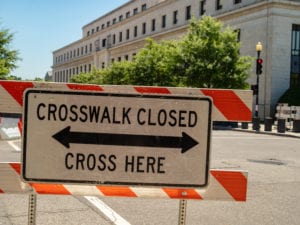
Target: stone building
x=119 y=34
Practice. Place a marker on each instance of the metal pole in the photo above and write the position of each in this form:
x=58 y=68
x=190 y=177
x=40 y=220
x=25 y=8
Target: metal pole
x=257 y=82
x=256 y=120
x=32 y=209
x=182 y=212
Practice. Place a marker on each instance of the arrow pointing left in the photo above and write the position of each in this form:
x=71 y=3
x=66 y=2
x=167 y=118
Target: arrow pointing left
x=66 y=136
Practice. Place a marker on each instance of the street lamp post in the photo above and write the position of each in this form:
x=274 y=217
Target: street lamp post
x=259 y=61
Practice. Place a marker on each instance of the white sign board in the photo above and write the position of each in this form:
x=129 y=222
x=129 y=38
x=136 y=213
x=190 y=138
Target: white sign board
x=116 y=139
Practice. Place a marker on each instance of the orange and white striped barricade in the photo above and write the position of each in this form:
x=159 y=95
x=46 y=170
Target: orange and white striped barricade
x=223 y=185
x=228 y=105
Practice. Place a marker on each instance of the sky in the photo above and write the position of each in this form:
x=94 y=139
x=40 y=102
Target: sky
x=40 y=27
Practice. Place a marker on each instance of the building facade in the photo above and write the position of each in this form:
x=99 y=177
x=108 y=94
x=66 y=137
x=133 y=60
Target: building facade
x=119 y=34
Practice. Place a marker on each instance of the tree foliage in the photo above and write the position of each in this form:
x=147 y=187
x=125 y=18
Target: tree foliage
x=154 y=64
x=8 y=58
x=207 y=56
x=210 y=55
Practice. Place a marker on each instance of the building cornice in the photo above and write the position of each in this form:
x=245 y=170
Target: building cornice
x=257 y=7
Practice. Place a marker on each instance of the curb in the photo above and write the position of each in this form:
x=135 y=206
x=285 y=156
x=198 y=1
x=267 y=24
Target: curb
x=267 y=133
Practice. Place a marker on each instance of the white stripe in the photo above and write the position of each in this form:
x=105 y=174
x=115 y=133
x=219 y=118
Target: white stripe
x=108 y=212
x=15 y=147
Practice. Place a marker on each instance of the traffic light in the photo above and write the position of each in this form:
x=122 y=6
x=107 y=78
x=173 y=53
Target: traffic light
x=259 y=66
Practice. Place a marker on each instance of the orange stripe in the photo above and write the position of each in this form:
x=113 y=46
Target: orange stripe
x=16 y=167
x=152 y=90
x=57 y=189
x=235 y=183
x=85 y=87
x=117 y=191
x=16 y=89
x=229 y=104
x=20 y=126
x=182 y=193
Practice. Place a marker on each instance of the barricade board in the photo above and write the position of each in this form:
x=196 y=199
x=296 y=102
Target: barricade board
x=224 y=185
x=228 y=105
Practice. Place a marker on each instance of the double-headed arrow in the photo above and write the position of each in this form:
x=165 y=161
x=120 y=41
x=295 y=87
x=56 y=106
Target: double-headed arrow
x=184 y=142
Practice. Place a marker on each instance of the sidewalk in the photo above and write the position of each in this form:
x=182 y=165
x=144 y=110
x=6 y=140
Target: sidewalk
x=288 y=132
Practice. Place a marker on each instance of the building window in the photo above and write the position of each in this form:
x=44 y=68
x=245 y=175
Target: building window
x=218 y=5
x=86 y=49
x=188 y=13
x=127 y=34
x=175 y=14
x=135 y=31
x=135 y=11
x=126 y=57
x=120 y=18
x=93 y=31
x=153 y=25
x=108 y=23
x=144 y=7
x=295 y=56
x=114 y=21
x=97 y=29
x=104 y=43
x=88 y=33
x=119 y=59
x=202 y=7
x=163 y=21
x=144 y=28
x=81 y=50
x=102 y=26
x=120 y=37
x=114 y=39
x=127 y=14
x=237 y=1
x=91 y=47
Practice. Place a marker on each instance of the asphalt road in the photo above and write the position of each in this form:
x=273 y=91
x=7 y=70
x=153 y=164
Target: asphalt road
x=273 y=165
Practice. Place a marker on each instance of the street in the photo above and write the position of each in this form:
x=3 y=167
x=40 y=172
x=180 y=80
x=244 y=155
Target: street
x=272 y=162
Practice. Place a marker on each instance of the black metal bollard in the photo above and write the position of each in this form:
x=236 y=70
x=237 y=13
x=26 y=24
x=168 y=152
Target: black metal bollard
x=255 y=124
x=244 y=125
x=281 y=126
x=268 y=124
x=296 y=126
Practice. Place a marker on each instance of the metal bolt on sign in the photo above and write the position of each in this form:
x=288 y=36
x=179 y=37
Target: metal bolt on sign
x=32 y=209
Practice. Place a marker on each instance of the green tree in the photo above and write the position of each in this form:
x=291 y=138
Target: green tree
x=154 y=64
x=210 y=56
x=118 y=73
x=92 y=77
x=8 y=58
